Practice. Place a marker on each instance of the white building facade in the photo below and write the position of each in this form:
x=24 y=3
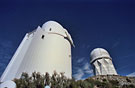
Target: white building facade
x=46 y=49
x=102 y=62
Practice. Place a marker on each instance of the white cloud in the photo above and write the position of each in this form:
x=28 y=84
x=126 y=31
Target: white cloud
x=80 y=60
x=86 y=66
x=131 y=74
x=79 y=74
x=90 y=71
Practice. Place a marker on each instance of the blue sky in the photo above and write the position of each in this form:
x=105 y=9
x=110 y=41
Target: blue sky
x=109 y=24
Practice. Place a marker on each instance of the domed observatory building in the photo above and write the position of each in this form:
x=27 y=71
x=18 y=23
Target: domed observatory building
x=46 y=49
x=102 y=62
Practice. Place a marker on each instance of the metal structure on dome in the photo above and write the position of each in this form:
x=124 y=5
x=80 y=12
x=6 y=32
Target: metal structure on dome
x=102 y=62
x=46 y=49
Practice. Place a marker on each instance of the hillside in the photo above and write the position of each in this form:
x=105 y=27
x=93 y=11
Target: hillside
x=60 y=81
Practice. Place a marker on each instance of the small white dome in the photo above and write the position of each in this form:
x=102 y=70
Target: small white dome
x=99 y=53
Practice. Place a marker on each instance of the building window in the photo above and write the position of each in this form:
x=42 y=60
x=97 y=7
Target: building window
x=50 y=29
x=42 y=36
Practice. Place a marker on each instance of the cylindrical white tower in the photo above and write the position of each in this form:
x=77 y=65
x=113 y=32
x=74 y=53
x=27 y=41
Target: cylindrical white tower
x=45 y=49
x=102 y=62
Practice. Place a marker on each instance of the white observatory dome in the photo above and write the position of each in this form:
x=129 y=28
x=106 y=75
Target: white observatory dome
x=99 y=53
x=102 y=62
x=53 y=26
x=46 y=49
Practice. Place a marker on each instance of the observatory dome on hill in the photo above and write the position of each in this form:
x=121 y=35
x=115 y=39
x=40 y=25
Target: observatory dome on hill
x=99 y=53
x=46 y=49
x=102 y=62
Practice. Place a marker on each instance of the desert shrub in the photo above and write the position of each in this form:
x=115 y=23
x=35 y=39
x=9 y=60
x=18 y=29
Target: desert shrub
x=128 y=80
x=114 y=82
x=104 y=80
x=36 y=80
x=131 y=86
